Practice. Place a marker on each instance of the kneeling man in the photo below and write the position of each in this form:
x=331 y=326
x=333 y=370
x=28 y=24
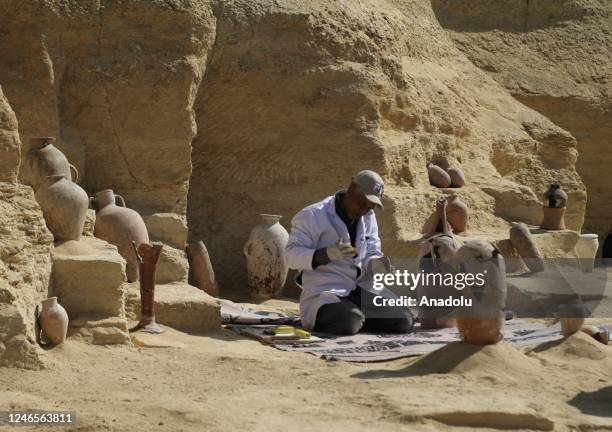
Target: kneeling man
x=335 y=245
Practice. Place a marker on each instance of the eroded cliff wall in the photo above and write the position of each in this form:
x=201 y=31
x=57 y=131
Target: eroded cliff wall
x=114 y=81
x=25 y=248
x=299 y=96
x=276 y=104
x=556 y=57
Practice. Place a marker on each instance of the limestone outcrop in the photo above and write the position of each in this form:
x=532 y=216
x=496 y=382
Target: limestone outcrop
x=178 y=305
x=168 y=228
x=220 y=110
x=88 y=279
x=285 y=121
x=25 y=269
x=114 y=82
x=10 y=146
x=555 y=57
x=25 y=260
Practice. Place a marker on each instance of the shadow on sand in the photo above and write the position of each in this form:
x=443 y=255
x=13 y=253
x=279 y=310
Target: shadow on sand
x=441 y=361
x=595 y=403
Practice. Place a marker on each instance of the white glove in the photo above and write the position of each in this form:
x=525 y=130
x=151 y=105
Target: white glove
x=340 y=251
x=379 y=265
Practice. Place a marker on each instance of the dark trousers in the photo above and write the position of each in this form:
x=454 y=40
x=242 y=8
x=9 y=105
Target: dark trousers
x=346 y=316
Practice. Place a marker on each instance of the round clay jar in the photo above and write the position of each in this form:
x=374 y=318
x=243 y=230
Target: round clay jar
x=456 y=176
x=554 y=218
x=438 y=177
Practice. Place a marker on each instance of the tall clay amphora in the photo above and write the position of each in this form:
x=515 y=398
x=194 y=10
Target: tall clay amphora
x=64 y=205
x=586 y=249
x=436 y=255
x=119 y=226
x=147 y=255
x=44 y=159
x=457 y=214
x=482 y=323
x=555 y=200
x=265 y=255
x=53 y=321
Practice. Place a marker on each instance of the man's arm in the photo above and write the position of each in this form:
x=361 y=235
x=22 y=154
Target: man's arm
x=373 y=244
x=302 y=243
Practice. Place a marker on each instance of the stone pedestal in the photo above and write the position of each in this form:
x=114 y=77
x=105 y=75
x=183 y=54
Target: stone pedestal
x=168 y=228
x=178 y=305
x=172 y=266
x=88 y=279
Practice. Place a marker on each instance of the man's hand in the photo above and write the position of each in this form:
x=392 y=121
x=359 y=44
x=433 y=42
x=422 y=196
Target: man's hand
x=340 y=250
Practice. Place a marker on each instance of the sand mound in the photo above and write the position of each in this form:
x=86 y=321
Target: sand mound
x=579 y=349
x=459 y=358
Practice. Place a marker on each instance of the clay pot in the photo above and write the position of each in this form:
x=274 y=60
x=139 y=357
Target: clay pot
x=482 y=330
x=569 y=326
x=555 y=197
x=521 y=240
x=43 y=160
x=200 y=268
x=482 y=323
x=119 y=226
x=265 y=255
x=53 y=321
x=553 y=218
x=457 y=214
x=438 y=177
x=586 y=249
x=596 y=333
x=456 y=176
x=64 y=206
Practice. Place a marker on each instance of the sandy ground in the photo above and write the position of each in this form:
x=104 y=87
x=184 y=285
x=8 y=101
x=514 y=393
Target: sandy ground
x=221 y=382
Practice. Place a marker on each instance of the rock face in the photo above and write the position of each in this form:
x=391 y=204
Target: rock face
x=114 y=82
x=9 y=142
x=289 y=99
x=25 y=269
x=285 y=121
x=178 y=305
x=172 y=266
x=169 y=228
x=88 y=277
x=567 y=46
x=25 y=260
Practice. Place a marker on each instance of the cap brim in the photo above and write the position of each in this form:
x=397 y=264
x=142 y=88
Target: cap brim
x=375 y=200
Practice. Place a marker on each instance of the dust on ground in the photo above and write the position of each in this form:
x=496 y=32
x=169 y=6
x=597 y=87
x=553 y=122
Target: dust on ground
x=222 y=381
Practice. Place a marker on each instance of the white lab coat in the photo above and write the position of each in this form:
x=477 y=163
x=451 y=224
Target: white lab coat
x=318 y=226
